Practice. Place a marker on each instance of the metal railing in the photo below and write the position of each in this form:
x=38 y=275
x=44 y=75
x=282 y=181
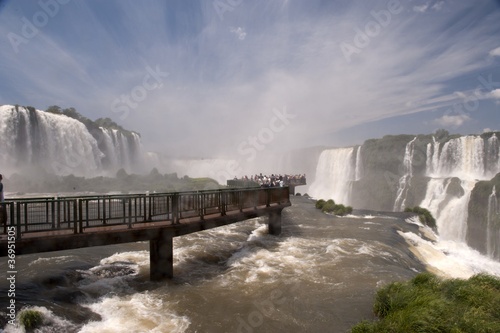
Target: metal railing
x=77 y=214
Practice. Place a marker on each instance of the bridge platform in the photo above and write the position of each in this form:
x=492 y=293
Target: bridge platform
x=50 y=224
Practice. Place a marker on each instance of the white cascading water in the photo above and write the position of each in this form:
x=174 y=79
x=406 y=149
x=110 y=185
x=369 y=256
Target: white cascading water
x=464 y=158
x=359 y=165
x=492 y=230
x=60 y=145
x=405 y=180
x=336 y=170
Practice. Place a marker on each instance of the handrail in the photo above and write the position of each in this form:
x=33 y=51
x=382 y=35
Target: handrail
x=78 y=214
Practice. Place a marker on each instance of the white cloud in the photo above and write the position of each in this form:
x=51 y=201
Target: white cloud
x=421 y=9
x=240 y=32
x=438 y=5
x=495 y=52
x=495 y=94
x=455 y=120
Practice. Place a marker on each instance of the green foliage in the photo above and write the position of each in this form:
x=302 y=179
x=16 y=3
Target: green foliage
x=41 y=181
x=92 y=126
x=31 y=319
x=320 y=203
x=423 y=215
x=331 y=207
x=428 y=304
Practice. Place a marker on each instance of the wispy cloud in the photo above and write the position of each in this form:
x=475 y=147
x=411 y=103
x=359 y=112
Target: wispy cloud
x=226 y=76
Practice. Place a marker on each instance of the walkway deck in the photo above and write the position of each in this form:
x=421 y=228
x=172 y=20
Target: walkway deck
x=54 y=224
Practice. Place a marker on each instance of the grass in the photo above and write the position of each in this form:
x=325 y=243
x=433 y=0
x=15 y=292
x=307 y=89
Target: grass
x=31 y=319
x=429 y=304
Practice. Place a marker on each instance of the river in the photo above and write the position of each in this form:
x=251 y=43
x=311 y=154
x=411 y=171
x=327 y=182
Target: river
x=319 y=275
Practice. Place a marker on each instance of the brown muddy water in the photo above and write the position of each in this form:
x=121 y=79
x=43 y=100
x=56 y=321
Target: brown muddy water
x=319 y=275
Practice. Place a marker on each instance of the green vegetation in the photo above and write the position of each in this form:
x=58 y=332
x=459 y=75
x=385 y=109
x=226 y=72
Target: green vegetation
x=331 y=207
x=31 y=319
x=428 y=304
x=424 y=216
x=320 y=203
x=123 y=182
x=92 y=126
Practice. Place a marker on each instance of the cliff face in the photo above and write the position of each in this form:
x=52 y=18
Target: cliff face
x=483 y=225
x=450 y=175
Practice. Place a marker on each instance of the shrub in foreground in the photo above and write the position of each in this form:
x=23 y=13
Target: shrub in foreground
x=429 y=304
x=423 y=215
x=331 y=207
x=31 y=319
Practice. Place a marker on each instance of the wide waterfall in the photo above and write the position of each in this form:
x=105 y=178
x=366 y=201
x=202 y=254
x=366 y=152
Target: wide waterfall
x=454 y=169
x=37 y=140
x=437 y=173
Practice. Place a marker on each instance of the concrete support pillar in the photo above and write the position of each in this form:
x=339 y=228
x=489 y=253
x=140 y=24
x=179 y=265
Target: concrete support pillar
x=161 y=258
x=275 y=223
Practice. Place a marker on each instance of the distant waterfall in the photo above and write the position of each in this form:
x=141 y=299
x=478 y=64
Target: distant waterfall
x=405 y=180
x=61 y=145
x=120 y=151
x=492 y=227
x=336 y=170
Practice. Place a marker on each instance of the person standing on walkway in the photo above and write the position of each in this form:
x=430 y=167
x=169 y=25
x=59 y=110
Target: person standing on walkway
x=3 y=210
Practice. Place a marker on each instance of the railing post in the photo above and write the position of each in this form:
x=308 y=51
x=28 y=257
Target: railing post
x=130 y=213
x=201 y=202
x=25 y=217
x=222 y=202
x=80 y=214
x=18 y=222
x=103 y=210
x=268 y=197
x=75 y=216
x=175 y=208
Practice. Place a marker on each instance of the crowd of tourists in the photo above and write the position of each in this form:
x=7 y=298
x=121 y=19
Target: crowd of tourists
x=274 y=180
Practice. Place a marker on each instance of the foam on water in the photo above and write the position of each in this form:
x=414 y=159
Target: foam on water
x=140 y=312
x=449 y=259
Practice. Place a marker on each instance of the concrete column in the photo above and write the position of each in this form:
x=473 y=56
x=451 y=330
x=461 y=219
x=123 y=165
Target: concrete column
x=161 y=258
x=275 y=223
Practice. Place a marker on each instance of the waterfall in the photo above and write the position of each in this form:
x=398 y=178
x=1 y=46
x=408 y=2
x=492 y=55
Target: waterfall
x=462 y=157
x=466 y=158
x=60 y=145
x=405 y=180
x=120 y=150
x=492 y=227
x=359 y=165
x=335 y=173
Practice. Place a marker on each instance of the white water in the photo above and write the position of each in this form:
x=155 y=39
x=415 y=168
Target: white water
x=466 y=158
x=336 y=170
x=448 y=258
x=492 y=230
x=62 y=145
x=405 y=180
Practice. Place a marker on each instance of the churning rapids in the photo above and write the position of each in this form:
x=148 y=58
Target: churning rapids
x=319 y=275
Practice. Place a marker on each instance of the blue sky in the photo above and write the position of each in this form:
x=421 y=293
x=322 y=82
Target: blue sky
x=236 y=77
